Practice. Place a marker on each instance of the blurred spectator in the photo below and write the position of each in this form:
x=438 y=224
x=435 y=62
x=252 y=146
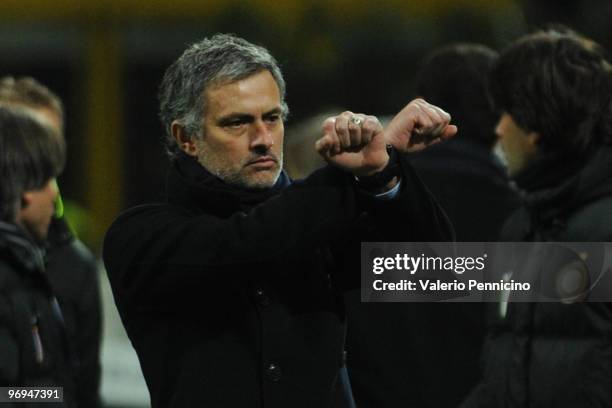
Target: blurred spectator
x=554 y=88
x=71 y=268
x=464 y=175
x=425 y=347
x=302 y=158
x=34 y=350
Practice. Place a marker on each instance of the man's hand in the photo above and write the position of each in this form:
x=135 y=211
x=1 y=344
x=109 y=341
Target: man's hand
x=417 y=126
x=354 y=142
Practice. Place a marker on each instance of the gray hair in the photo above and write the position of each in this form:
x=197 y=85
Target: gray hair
x=223 y=58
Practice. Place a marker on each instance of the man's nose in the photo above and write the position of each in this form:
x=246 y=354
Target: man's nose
x=498 y=129
x=262 y=136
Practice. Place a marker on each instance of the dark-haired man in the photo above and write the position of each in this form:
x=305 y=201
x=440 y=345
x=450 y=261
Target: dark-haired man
x=34 y=351
x=230 y=291
x=555 y=90
x=71 y=267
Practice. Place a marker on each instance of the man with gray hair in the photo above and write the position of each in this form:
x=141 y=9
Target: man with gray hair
x=231 y=290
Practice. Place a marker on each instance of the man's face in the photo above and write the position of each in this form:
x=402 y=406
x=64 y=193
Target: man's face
x=37 y=209
x=518 y=145
x=243 y=132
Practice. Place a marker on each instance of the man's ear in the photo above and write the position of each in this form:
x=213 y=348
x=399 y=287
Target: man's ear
x=534 y=139
x=183 y=140
x=23 y=208
x=26 y=199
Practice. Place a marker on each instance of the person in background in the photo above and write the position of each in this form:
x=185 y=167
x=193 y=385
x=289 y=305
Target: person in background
x=464 y=175
x=302 y=159
x=71 y=268
x=34 y=351
x=554 y=89
x=405 y=354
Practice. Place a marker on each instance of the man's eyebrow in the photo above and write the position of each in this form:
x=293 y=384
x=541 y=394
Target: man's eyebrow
x=247 y=117
x=274 y=111
x=224 y=120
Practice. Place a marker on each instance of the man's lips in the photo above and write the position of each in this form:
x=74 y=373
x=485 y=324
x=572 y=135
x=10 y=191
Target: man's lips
x=263 y=160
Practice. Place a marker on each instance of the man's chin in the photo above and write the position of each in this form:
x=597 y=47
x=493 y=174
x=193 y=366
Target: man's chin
x=38 y=233
x=260 y=180
x=260 y=184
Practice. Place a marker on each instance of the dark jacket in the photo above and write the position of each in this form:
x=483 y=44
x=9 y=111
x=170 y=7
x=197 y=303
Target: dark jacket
x=553 y=354
x=33 y=345
x=73 y=273
x=471 y=186
x=231 y=298
x=422 y=355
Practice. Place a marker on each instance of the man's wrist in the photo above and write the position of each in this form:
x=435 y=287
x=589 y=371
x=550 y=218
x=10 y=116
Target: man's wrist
x=385 y=179
x=363 y=173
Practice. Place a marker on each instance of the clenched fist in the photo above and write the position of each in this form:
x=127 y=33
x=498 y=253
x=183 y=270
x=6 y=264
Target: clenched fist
x=417 y=126
x=354 y=142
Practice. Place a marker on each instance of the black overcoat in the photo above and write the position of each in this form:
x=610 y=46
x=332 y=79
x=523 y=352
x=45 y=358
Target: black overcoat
x=404 y=354
x=72 y=271
x=232 y=300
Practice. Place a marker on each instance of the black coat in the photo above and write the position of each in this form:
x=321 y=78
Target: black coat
x=232 y=299
x=34 y=350
x=471 y=186
x=544 y=355
x=422 y=355
x=72 y=271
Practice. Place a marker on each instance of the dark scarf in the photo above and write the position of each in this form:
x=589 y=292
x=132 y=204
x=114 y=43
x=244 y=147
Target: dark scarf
x=189 y=183
x=17 y=248
x=555 y=184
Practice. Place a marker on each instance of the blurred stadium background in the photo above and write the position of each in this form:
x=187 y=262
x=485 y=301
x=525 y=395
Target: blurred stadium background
x=105 y=58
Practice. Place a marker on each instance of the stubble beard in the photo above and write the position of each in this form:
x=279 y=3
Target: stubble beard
x=240 y=174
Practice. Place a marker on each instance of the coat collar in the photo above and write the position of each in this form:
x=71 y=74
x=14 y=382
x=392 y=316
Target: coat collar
x=19 y=249
x=191 y=186
x=556 y=185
